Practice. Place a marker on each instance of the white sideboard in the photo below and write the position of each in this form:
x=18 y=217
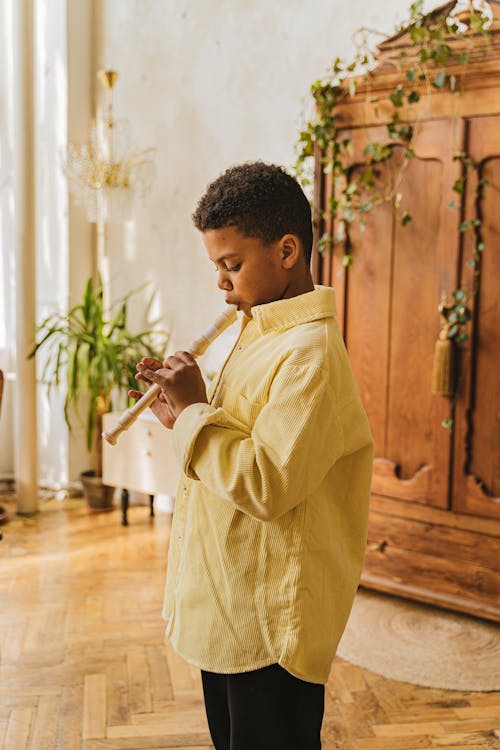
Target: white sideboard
x=143 y=458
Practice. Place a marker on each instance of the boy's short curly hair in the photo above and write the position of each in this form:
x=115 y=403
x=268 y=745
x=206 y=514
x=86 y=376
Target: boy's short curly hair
x=261 y=200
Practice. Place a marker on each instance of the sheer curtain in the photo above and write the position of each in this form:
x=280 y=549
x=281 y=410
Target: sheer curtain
x=7 y=218
x=51 y=230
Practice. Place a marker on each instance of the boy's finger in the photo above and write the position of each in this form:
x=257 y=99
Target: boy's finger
x=153 y=364
x=161 y=378
x=185 y=357
x=135 y=394
x=178 y=360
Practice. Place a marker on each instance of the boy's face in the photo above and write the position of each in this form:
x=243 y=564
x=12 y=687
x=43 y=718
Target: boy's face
x=250 y=272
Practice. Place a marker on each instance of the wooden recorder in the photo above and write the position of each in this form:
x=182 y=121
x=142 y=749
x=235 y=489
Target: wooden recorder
x=197 y=348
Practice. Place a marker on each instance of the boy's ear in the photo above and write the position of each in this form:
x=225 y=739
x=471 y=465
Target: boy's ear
x=291 y=250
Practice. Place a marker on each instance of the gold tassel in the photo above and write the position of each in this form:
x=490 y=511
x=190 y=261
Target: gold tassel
x=442 y=370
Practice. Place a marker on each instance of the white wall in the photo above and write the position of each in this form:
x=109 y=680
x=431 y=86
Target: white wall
x=211 y=83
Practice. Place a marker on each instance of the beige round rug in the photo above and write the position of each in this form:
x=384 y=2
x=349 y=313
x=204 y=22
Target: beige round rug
x=421 y=644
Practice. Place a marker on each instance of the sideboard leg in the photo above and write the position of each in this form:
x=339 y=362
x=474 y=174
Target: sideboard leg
x=151 y=507
x=124 y=507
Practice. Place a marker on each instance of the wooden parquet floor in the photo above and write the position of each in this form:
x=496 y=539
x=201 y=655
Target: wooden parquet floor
x=84 y=664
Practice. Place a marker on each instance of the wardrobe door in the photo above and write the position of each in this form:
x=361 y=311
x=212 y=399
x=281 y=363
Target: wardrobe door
x=476 y=476
x=388 y=308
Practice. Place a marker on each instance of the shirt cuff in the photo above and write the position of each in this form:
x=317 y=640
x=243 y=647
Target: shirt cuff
x=187 y=426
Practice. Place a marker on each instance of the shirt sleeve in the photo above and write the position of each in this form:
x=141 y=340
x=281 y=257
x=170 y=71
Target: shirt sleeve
x=295 y=440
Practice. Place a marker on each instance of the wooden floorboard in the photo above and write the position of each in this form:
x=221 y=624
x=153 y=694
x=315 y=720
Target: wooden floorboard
x=84 y=664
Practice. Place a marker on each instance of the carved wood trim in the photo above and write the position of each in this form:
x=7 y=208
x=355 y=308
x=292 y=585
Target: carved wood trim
x=476 y=498
x=386 y=481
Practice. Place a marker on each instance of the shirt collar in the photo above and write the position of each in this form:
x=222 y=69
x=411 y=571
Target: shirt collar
x=285 y=313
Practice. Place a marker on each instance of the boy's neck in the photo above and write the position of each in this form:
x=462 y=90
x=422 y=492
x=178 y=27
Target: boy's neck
x=300 y=284
x=297 y=286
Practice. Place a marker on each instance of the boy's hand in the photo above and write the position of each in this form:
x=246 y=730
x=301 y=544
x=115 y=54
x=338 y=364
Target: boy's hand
x=160 y=407
x=181 y=385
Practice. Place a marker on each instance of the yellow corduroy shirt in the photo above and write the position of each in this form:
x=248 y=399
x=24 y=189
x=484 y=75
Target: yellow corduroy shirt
x=270 y=522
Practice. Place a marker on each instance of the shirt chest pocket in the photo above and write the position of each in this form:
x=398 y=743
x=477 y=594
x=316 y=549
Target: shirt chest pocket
x=238 y=406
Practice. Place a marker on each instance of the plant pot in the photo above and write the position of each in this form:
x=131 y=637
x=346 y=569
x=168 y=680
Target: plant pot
x=98 y=495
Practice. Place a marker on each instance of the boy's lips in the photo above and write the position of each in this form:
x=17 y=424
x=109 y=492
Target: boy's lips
x=230 y=301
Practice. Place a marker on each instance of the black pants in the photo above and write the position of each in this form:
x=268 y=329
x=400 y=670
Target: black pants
x=267 y=709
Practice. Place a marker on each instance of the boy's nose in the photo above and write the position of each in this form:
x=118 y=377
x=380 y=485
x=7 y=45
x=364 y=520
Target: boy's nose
x=223 y=281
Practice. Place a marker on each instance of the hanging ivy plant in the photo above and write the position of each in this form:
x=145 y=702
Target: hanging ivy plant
x=353 y=196
x=442 y=44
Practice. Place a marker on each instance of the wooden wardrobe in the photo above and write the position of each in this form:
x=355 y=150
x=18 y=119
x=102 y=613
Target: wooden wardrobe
x=434 y=532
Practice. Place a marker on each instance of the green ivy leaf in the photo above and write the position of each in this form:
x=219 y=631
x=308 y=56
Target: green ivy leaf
x=451 y=204
x=440 y=79
x=463 y=57
x=409 y=153
x=477 y=21
x=365 y=207
x=459 y=294
x=397 y=96
x=324 y=242
x=347 y=260
x=418 y=33
x=368 y=177
x=413 y=97
x=441 y=54
x=447 y=424
x=416 y=9
x=458 y=185
x=481 y=246
x=337 y=65
x=377 y=151
x=405 y=218
x=463 y=226
x=410 y=75
x=423 y=55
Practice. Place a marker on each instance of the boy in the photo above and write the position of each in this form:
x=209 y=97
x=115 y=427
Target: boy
x=270 y=522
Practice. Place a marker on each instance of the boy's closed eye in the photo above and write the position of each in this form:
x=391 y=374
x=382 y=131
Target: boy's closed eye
x=231 y=269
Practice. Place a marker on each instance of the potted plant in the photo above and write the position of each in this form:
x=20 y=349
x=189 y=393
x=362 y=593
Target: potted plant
x=93 y=350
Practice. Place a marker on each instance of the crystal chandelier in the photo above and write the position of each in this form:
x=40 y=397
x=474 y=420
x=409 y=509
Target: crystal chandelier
x=106 y=175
